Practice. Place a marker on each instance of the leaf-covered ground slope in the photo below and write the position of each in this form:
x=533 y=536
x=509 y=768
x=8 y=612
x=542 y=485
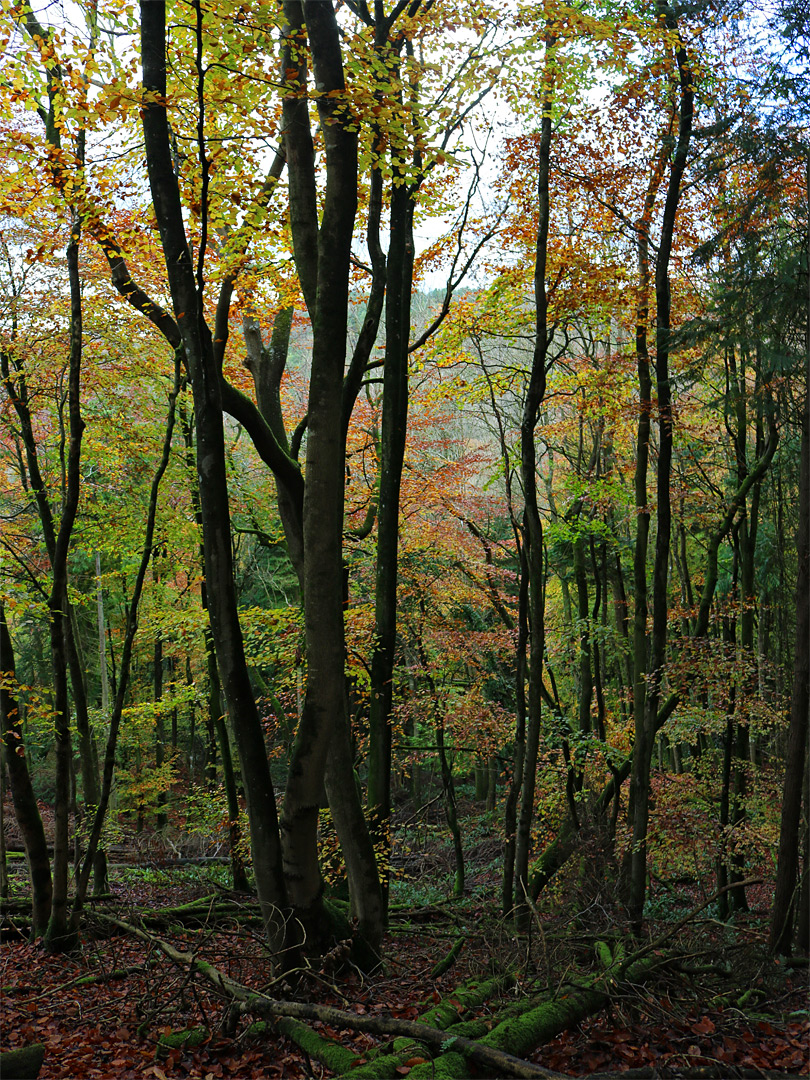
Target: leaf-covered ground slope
x=720 y=1006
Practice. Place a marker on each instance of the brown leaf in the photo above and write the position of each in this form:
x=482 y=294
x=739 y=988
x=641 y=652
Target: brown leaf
x=703 y=1027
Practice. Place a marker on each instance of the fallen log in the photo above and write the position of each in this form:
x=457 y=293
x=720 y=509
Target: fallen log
x=447 y=961
x=380 y=1065
x=22 y=1064
x=387 y=1066
x=478 y=1052
x=521 y=1035
x=256 y=1004
x=339 y=1059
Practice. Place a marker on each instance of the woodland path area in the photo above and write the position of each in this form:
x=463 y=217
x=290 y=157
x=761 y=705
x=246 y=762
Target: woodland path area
x=714 y=1004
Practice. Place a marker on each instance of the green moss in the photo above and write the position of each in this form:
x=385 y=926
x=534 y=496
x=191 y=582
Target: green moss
x=188 y=1039
x=337 y=1058
x=22 y=1064
x=446 y=1067
x=469 y=1029
x=447 y=961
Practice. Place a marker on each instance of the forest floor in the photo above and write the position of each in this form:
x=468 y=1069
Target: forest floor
x=720 y=1007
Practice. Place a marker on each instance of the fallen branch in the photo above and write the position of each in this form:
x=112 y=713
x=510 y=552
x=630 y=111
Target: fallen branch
x=447 y=961
x=257 y=1004
x=671 y=931
x=228 y=986
x=481 y=1055
x=522 y=1035
x=91 y=980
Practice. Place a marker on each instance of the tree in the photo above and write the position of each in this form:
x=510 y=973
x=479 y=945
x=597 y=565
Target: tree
x=788 y=899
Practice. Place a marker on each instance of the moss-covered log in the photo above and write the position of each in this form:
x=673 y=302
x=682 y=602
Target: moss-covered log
x=490 y=1058
x=22 y=1064
x=521 y=1035
x=339 y=1059
x=497 y=1061
x=187 y=1039
x=447 y=961
x=446 y=1016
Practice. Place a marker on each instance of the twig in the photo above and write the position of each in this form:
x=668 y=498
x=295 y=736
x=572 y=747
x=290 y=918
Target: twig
x=679 y=925
x=90 y=980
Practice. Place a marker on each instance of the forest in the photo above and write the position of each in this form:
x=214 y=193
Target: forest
x=405 y=495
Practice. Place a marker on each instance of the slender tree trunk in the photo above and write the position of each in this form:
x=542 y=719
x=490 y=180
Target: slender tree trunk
x=239 y=876
x=393 y=431
x=788 y=890
x=729 y=641
x=584 y=623
x=322 y=255
x=26 y=810
x=532 y=525
x=641 y=752
x=3 y=860
x=160 y=726
x=187 y=284
x=645 y=723
x=102 y=641
x=512 y=799
x=218 y=735
x=58 y=936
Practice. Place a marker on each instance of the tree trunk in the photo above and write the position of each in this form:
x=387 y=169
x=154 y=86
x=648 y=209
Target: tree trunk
x=513 y=795
x=58 y=936
x=640 y=610
x=3 y=859
x=22 y=793
x=392 y=437
x=322 y=258
x=160 y=727
x=239 y=877
x=786 y=897
x=645 y=722
x=186 y=287
x=532 y=525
